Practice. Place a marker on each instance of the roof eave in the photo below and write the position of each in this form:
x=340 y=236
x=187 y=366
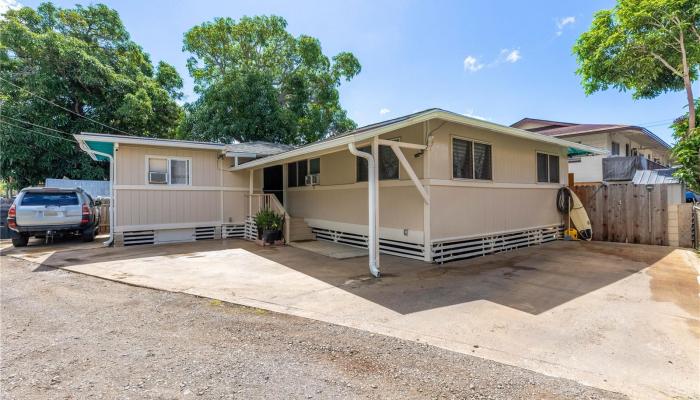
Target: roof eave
x=98 y=137
x=428 y=115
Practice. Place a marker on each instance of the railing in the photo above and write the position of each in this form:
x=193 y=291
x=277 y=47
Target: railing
x=266 y=201
x=623 y=168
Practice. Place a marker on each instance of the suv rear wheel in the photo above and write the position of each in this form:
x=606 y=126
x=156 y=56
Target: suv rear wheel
x=88 y=235
x=20 y=240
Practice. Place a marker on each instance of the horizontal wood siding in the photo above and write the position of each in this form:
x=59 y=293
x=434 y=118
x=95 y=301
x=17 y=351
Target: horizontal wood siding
x=471 y=211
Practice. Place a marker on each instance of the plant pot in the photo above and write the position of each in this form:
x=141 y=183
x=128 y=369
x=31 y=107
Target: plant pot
x=269 y=236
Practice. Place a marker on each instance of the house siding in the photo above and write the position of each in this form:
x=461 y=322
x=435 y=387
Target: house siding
x=143 y=206
x=513 y=200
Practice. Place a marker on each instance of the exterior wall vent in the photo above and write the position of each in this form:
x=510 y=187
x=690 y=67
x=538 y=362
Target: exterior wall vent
x=459 y=249
x=139 y=237
x=233 y=231
x=204 y=233
x=386 y=246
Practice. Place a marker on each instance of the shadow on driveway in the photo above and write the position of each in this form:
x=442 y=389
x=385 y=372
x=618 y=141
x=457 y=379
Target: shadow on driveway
x=531 y=280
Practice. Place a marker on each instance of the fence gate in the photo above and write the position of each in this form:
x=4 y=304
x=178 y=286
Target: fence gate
x=626 y=212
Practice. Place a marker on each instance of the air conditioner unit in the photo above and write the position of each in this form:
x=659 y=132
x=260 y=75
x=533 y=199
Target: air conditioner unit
x=312 y=180
x=158 y=177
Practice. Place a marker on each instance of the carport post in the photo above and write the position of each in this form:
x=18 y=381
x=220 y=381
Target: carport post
x=372 y=193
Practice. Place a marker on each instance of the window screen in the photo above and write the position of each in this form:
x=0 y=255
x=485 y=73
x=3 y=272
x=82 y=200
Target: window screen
x=179 y=172
x=315 y=166
x=542 y=168
x=292 y=174
x=615 y=148
x=482 y=161
x=302 y=171
x=158 y=165
x=362 y=165
x=50 y=199
x=462 y=159
x=553 y=169
x=388 y=163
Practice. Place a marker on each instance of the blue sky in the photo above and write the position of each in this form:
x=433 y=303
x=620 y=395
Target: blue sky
x=500 y=61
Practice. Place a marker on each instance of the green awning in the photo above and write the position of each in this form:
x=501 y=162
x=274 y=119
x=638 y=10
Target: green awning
x=102 y=147
x=572 y=152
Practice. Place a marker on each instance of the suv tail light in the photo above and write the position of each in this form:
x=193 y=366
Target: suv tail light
x=86 y=215
x=12 y=217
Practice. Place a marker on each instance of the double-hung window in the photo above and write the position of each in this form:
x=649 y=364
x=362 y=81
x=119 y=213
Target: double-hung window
x=547 y=168
x=388 y=164
x=471 y=160
x=168 y=171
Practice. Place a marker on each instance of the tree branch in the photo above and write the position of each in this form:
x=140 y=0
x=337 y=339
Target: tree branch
x=666 y=64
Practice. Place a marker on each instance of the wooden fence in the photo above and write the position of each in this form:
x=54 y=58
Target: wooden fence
x=104 y=218
x=627 y=213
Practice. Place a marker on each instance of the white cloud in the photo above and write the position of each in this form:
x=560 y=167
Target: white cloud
x=472 y=64
x=6 y=5
x=563 y=22
x=512 y=56
x=384 y=111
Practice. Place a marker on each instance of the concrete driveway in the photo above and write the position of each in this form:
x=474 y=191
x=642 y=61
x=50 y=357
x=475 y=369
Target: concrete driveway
x=621 y=317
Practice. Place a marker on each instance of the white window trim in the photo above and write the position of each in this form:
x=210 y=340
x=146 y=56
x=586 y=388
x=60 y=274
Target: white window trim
x=548 y=154
x=468 y=139
x=168 y=159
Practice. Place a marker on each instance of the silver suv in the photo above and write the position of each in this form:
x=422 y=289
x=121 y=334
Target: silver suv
x=48 y=212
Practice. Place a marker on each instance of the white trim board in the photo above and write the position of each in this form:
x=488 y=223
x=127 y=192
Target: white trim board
x=183 y=225
x=180 y=188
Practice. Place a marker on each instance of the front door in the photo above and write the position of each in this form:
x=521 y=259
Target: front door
x=273 y=182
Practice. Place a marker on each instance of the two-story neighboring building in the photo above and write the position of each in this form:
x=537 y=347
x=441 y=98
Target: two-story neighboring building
x=630 y=148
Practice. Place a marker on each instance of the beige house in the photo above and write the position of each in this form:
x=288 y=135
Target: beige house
x=630 y=148
x=443 y=187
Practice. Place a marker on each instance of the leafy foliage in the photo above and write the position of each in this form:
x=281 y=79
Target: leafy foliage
x=646 y=46
x=685 y=152
x=267 y=219
x=624 y=47
x=258 y=82
x=81 y=59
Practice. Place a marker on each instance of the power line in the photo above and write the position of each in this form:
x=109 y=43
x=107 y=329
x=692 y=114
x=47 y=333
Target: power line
x=39 y=133
x=38 y=126
x=63 y=108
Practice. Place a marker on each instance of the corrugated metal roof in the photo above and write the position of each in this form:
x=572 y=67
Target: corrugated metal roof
x=654 y=177
x=258 y=147
x=94 y=188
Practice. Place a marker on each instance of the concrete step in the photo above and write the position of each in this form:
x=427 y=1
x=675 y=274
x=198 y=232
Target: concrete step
x=299 y=230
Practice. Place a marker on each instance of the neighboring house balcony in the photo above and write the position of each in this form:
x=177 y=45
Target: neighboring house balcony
x=624 y=168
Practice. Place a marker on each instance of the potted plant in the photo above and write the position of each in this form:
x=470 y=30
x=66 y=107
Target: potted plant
x=269 y=225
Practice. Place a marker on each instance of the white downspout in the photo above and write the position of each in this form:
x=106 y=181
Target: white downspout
x=372 y=204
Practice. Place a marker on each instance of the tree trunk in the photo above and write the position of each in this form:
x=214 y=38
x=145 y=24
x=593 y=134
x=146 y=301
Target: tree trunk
x=688 y=87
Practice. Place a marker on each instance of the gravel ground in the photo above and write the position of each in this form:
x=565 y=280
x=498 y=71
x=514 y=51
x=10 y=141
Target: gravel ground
x=67 y=335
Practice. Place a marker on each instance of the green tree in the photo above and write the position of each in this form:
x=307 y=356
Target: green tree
x=83 y=60
x=646 y=46
x=686 y=151
x=258 y=82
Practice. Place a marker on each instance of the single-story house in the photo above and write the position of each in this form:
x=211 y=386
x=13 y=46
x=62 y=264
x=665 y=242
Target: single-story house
x=433 y=185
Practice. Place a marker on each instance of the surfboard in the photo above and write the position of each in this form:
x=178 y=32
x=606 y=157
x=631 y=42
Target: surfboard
x=579 y=217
